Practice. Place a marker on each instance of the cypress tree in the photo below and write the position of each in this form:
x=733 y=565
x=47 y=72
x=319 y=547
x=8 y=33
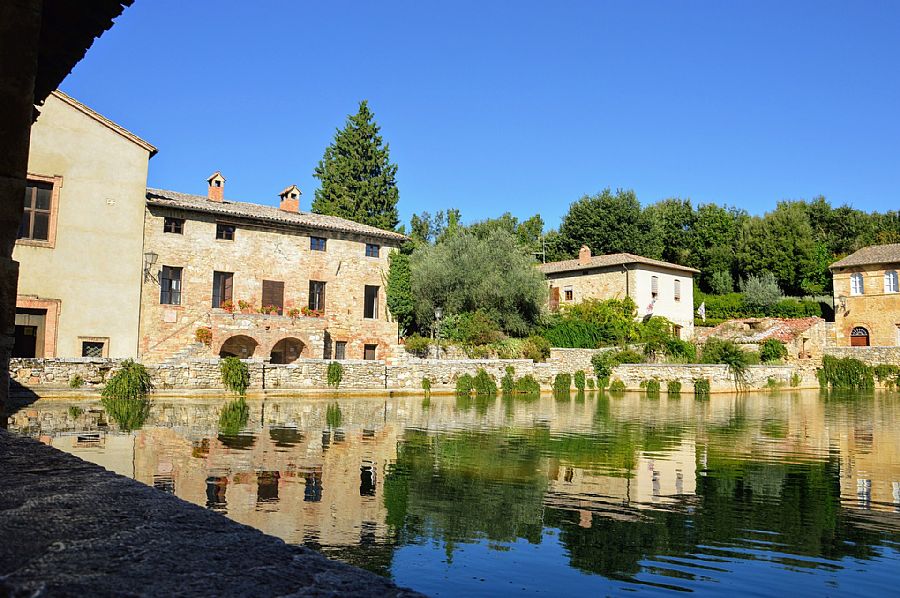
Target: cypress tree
x=359 y=182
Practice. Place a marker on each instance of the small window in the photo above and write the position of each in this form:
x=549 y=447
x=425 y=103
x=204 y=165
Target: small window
x=372 y=250
x=173 y=225
x=654 y=285
x=369 y=352
x=340 y=350
x=856 y=284
x=223 y=288
x=170 y=286
x=225 y=232
x=568 y=294
x=677 y=290
x=92 y=348
x=890 y=282
x=35 y=223
x=218 y=183
x=317 y=295
x=317 y=243
x=370 y=307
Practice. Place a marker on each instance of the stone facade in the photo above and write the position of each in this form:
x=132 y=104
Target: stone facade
x=868 y=355
x=804 y=338
x=872 y=307
x=262 y=251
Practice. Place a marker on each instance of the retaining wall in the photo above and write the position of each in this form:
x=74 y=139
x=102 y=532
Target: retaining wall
x=868 y=355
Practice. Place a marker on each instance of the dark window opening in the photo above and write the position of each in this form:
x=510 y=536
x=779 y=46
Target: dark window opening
x=170 y=286
x=317 y=295
x=29 y=339
x=370 y=307
x=317 y=243
x=92 y=349
x=372 y=250
x=369 y=352
x=225 y=232
x=273 y=296
x=568 y=294
x=223 y=288
x=35 y=223
x=340 y=350
x=173 y=225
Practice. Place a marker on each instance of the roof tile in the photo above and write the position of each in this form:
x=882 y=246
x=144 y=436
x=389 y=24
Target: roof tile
x=612 y=259
x=873 y=254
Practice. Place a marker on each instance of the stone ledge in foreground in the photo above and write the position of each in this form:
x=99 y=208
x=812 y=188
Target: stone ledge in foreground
x=71 y=528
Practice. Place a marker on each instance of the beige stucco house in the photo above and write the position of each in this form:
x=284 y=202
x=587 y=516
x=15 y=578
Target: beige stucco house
x=81 y=239
x=658 y=288
x=867 y=297
x=230 y=278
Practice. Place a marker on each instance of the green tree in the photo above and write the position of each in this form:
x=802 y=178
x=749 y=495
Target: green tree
x=358 y=180
x=713 y=237
x=670 y=222
x=606 y=222
x=399 y=292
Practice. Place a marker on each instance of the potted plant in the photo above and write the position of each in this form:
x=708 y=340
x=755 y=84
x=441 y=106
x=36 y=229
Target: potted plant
x=228 y=306
x=203 y=335
x=245 y=306
x=293 y=313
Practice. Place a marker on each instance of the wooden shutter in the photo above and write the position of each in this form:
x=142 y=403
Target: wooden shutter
x=554 y=298
x=227 y=286
x=273 y=294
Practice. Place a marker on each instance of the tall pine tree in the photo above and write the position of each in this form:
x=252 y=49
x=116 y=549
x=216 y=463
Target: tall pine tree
x=358 y=180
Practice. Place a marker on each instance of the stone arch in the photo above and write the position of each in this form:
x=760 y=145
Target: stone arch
x=859 y=336
x=287 y=350
x=239 y=345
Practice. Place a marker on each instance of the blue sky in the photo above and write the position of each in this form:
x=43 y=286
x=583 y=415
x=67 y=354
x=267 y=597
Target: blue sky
x=516 y=106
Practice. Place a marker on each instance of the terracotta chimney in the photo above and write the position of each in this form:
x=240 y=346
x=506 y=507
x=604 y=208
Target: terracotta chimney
x=216 y=186
x=290 y=199
x=584 y=255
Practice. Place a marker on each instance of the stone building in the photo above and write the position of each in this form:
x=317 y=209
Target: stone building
x=867 y=297
x=261 y=282
x=80 y=239
x=804 y=338
x=658 y=288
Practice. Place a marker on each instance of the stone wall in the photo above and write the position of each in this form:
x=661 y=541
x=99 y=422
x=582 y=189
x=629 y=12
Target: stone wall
x=868 y=355
x=720 y=379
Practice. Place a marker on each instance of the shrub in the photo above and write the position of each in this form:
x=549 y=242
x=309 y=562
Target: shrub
x=655 y=333
x=673 y=388
x=417 y=345
x=795 y=380
x=475 y=328
x=233 y=417
x=629 y=356
x=728 y=353
x=773 y=384
x=235 y=376
x=527 y=385
x=579 y=380
x=617 y=387
x=761 y=290
x=701 y=388
x=594 y=323
x=484 y=384
x=721 y=283
x=508 y=383
x=75 y=411
x=203 y=335
x=76 y=381
x=426 y=384
x=681 y=351
x=131 y=382
x=590 y=384
x=465 y=384
x=536 y=348
x=562 y=383
x=846 y=373
x=772 y=350
x=652 y=388
x=335 y=374
x=605 y=361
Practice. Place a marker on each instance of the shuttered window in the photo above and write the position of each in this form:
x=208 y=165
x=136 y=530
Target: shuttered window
x=273 y=294
x=654 y=285
x=223 y=288
x=370 y=305
x=317 y=295
x=677 y=290
x=170 y=286
x=340 y=350
x=369 y=352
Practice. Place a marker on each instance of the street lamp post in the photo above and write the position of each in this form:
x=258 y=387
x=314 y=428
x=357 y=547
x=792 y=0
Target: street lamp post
x=438 y=312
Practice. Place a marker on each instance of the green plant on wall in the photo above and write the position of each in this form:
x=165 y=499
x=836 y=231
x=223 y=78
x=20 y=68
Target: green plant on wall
x=673 y=388
x=131 y=382
x=579 y=380
x=426 y=385
x=508 y=382
x=845 y=374
x=617 y=387
x=465 y=384
x=235 y=375
x=651 y=387
x=562 y=383
x=76 y=381
x=335 y=374
x=701 y=388
x=484 y=384
x=772 y=351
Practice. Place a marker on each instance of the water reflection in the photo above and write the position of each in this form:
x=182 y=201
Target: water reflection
x=596 y=493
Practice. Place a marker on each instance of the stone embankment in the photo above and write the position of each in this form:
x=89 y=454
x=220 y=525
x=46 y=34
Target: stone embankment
x=868 y=355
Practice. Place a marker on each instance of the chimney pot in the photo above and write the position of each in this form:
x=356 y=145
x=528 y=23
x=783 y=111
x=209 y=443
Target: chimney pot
x=584 y=255
x=216 y=189
x=290 y=199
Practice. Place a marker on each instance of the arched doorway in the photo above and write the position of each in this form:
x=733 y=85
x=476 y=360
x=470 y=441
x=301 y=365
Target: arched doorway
x=859 y=337
x=239 y=346
x=287 y=350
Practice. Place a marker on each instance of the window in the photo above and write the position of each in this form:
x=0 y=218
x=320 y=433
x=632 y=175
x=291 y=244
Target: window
x=654 y=286
x=317 y=295
x=225 y=232
x=677 y=290
x=676 y=331
x=370 y=306
x=372 y=250
x=170 y=286
x=856 y=284
x=273 y=295
x=317 y=243
x=369 y=352
x=340 y=350
x=173 y=225
x=35 y=224
x=223 y=288
x=92 y=348
x=890 y=282
x=568 y=294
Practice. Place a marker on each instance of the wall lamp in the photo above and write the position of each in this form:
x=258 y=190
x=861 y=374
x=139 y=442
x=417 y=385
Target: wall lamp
x=150 y=259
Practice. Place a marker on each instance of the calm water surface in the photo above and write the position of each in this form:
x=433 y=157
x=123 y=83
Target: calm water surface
x=760 y=494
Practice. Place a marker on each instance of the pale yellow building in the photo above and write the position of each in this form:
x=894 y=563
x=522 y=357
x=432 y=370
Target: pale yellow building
x=80 y=246
x=867 y=297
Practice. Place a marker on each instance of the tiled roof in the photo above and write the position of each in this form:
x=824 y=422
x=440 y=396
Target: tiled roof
x=238 y=209
x=873 y=254
x=757 y=330
x=612 y=259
